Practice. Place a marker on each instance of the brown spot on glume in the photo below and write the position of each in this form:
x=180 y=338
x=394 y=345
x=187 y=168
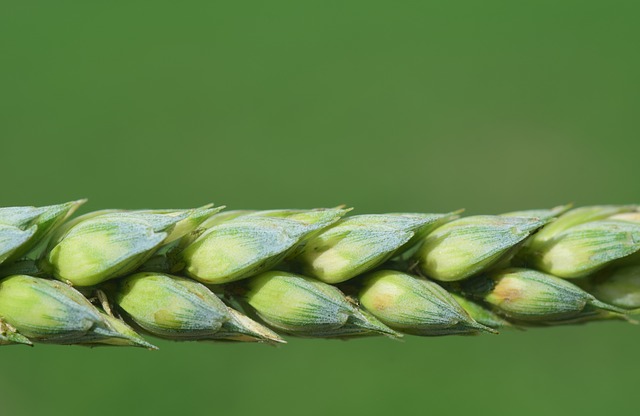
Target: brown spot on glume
x=507 y=290
x=382 y=301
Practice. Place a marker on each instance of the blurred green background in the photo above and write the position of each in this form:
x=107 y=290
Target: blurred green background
x=405 y=106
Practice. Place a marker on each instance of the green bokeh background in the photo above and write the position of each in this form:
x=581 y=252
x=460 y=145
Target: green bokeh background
x=384 y=106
